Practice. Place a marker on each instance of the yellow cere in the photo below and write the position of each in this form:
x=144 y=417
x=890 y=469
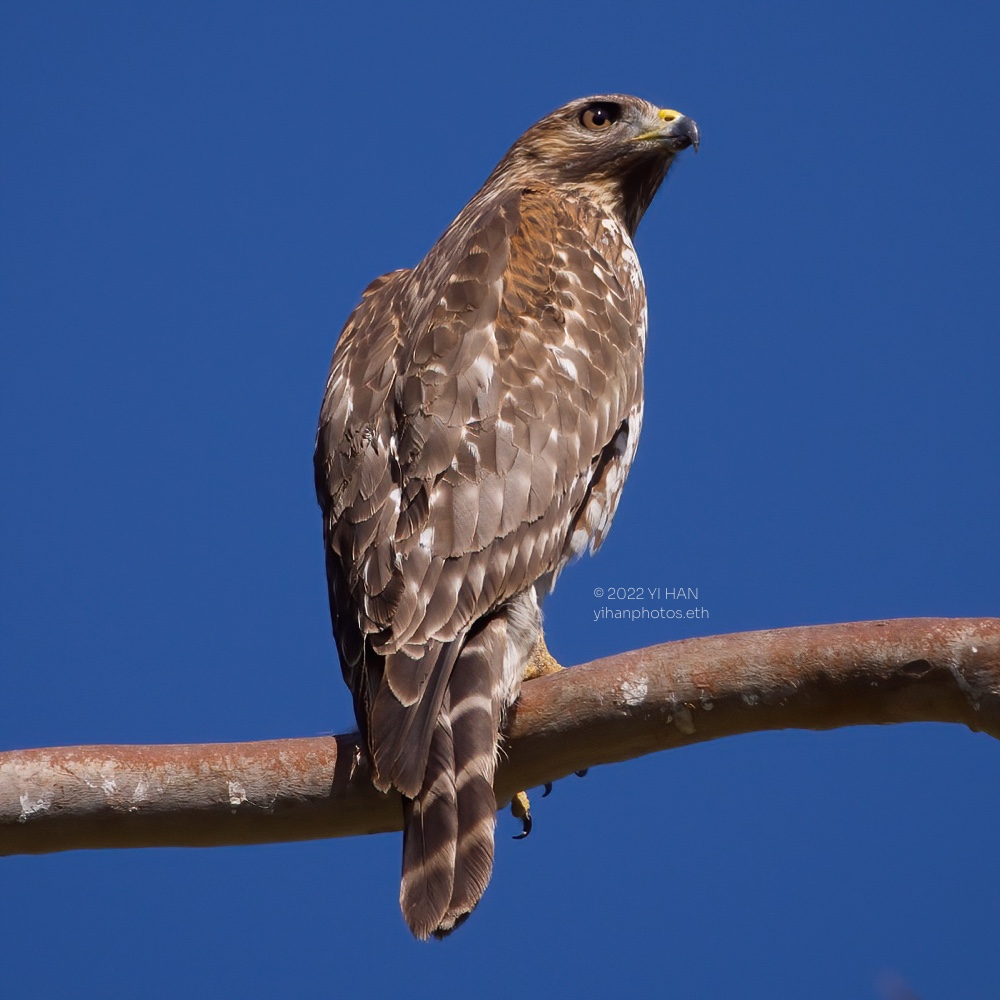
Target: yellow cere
x=664 y=114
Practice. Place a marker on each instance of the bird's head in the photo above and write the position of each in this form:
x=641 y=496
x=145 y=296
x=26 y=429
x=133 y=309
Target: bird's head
x=613 y=148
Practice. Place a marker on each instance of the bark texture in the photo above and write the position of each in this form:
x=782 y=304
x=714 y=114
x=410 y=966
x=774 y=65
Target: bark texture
x=624 y=706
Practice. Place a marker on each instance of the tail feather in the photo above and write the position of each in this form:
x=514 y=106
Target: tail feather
x=400 y=735
x=430 y=838
x=449 y=826
x=475 y=721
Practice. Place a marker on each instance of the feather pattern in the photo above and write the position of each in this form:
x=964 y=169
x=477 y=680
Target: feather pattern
x=480 y=417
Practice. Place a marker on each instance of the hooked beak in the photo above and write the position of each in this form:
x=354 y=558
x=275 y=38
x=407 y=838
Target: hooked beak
x=675 y=130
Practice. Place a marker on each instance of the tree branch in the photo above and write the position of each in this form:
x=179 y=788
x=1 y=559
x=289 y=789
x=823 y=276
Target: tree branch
x=821 y=677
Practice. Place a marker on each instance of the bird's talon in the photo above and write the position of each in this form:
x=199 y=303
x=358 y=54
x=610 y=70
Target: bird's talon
x=526 y=820
x=582 y=773
x=548 y=788
x=520 y=808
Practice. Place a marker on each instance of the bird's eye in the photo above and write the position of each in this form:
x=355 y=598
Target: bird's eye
x=599 y=116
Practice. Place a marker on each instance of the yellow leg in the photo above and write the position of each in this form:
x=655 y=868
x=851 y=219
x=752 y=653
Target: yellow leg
x=540 y=663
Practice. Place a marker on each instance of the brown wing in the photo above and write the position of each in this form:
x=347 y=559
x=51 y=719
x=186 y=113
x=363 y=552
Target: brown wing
x=355 y=482
x=480 y=414
x=514 y=381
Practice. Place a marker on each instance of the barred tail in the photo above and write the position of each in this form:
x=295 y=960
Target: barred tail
x=430 y=837
x=448 y=828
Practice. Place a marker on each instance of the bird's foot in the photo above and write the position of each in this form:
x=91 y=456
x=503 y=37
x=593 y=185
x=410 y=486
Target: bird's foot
x=541 y=661
x=520 y=809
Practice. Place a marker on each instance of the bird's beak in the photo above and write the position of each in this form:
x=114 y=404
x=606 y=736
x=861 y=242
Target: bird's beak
x=675 y=130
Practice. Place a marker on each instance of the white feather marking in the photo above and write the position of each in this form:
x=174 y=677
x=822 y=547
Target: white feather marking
x=473 y=702
x=578 y=541
x=524 y=624
x=631 y=262
x=564 y=363
x=482 y=370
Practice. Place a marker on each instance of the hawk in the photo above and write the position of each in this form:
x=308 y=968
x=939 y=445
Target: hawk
x=480 y=417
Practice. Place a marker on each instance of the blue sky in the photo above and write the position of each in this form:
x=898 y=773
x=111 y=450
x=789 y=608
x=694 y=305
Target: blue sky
x=193 y=197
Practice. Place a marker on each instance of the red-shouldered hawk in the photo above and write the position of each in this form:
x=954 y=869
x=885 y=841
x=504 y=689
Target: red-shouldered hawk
x=480 y=418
